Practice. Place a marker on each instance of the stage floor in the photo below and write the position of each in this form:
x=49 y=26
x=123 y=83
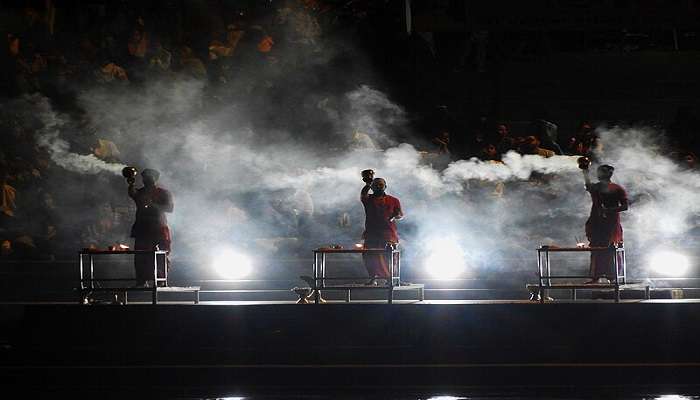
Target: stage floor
x=434 y=342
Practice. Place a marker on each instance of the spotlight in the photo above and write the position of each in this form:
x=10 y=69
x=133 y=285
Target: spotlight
x=232 y=264
x=447 y=398
x=669 y=263
x=445 y=259
x=672 y=397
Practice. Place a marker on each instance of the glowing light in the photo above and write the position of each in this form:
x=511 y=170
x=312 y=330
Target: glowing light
x=672 y=397
x=232 y=264
x=359 y=245
x=447 y=398
x=446 y=259
x=669 y=263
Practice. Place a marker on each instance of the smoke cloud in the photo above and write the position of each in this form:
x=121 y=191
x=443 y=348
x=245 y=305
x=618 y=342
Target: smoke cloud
x=49 y=138
x=276 y=167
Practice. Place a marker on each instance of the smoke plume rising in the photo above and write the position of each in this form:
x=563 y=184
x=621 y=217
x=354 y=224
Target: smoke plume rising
x=235 y=183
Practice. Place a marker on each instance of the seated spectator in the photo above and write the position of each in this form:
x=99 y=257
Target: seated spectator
x=161 y=58
x=531 y=145
x=546 y=133
x=8 y=202
x=583 y=142
x=489 y=153
x=689 y=160
x=5 y=248
x=504 y=141
x=106 y=150
x=138 y=43
x=442 y=141
x=111 y=73
x=362 y=141
x=191 y=65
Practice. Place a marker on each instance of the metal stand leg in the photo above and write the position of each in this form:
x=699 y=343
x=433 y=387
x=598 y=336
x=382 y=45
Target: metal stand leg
x=155 y=294
x=548 y=271
x=347 y=296
x=196 y=297
x=155 y=269
x=390 y=299
x=540 y=289
x=165 y=269
x=398 y=268
x=317 y=295
x=82 y=298
x=80 y=282
x=323 y=270
x=92 y=272
x=617 y=275
x=624 y=264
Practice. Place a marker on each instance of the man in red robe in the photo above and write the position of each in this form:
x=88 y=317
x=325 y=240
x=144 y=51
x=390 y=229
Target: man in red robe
x=151 y=226
x=603 y=227
x=381 y=213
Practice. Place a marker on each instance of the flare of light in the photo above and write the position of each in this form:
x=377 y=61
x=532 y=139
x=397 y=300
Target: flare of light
x=669 y=263
x=447 y=398
x=446 y=259
x=232 y=264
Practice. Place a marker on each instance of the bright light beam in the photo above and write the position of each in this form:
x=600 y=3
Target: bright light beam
x=445 y=259
x=669 y=263
x=231 y=264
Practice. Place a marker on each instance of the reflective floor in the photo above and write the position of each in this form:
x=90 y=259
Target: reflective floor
x=622 y=393
x=480 y=397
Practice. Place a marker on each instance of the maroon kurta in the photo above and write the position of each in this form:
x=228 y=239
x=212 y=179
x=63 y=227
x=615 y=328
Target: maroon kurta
x=379 y=229
x=603 y=227
x=150 y=228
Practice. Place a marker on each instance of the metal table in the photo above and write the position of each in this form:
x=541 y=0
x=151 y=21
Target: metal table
x=544 y=269
x=87 y=284
x=392 y=254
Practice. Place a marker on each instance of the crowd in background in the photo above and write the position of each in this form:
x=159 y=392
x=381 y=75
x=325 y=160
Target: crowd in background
x=133 y=49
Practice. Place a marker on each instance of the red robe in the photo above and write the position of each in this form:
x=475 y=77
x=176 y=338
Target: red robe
x=603 y=228
x=150 y=228
x=379 y=229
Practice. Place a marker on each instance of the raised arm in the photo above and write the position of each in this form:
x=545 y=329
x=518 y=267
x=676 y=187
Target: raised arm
x=367 y=177
x=131 y=190
x=364 y=193
x=584 y=164
x=587 y=179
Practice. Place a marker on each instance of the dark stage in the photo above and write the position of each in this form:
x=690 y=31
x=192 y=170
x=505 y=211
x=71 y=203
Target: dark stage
x=402 y=345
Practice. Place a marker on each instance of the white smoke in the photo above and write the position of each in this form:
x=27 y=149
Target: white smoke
x=665 y=197
x=513 y=167
x=372 y=113
x=235 y=182
x=59 y=149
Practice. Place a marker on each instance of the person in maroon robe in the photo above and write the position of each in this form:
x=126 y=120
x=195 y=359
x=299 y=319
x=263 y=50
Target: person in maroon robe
x=381 y=213
x=603 y=228
x=150 y=230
